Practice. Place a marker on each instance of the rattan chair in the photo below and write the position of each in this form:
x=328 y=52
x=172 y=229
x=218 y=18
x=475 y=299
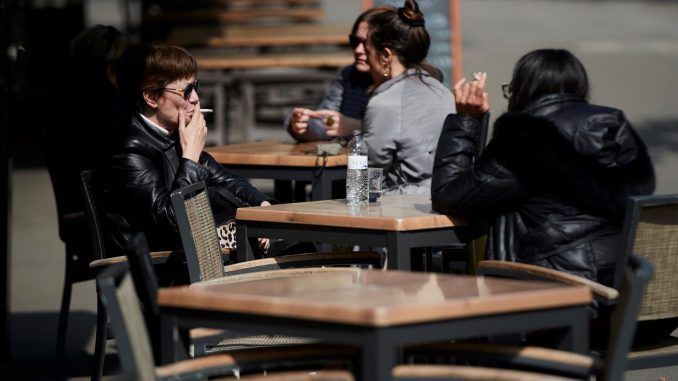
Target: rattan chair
x=557 y=365
x=101 y=260
x=73 y=232
x=202 y=339
x=133 y=341
x=651 y=231
x=201 y=243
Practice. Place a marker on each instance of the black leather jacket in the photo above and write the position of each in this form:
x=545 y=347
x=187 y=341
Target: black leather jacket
x=553 y=181
x=146 y=167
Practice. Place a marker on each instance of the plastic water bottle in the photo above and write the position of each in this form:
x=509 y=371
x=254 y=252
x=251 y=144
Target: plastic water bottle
x=356 y=174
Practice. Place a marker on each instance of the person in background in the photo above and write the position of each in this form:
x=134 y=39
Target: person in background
x=75 y=144
x=556 y=175
x=343 y=108
x=159 y=148
x=406 y=111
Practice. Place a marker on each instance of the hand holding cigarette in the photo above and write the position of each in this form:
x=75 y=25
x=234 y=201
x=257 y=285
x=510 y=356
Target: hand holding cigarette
x=470 y=97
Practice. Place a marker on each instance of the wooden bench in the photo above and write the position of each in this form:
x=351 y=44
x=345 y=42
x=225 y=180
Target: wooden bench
x=258 y=36
x=244 y=15
x=262 y=61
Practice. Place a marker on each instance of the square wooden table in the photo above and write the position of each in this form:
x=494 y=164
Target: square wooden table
x=397 y=222
x=377 y=311
x=277 y=160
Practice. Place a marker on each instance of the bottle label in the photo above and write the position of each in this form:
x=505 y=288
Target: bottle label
x=357 y=162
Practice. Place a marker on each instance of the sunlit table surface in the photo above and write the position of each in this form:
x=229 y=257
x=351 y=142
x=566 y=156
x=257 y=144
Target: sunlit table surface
x=377 y=310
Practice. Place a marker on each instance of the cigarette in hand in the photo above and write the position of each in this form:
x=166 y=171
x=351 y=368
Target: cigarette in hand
x=206 y=110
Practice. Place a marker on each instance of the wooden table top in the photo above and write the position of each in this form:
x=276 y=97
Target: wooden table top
x=259 y=36
x=214 y=61
x=375 y=298
x=274 y=153
x=393 y=212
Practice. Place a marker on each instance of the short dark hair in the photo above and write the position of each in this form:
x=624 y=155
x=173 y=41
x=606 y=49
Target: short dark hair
x=150 y=67
x=547 y=71
x=403 y=31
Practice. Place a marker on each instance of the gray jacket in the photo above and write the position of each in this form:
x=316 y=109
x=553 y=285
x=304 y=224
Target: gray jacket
x=402 y=124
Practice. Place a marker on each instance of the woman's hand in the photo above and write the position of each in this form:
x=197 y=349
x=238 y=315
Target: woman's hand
x=192 y=135
x=264 y=243
x=470 y=97
x=337 y=124
x=299 y=120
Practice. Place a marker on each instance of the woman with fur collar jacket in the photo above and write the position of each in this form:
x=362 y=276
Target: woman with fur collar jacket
x=556 y=175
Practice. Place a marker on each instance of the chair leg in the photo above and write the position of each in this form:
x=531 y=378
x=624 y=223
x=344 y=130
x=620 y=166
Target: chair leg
x=100 y=341
x=65 y=310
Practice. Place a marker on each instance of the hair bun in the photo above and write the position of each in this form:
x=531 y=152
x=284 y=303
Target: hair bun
x=411 y=15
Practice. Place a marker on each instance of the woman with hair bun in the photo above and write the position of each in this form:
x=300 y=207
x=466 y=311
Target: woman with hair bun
x=407 y=109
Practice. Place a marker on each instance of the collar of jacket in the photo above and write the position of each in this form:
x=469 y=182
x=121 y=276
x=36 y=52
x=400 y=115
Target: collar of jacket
x=148 y=132
x=550 y=103
x=400 y=77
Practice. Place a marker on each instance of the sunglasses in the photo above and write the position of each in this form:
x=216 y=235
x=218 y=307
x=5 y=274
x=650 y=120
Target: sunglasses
x=186 y=91
x=354 y=41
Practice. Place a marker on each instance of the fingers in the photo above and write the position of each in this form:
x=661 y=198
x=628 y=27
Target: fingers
x=457 y=89
x=264 y=244
x=182 y=119
x=471 y=97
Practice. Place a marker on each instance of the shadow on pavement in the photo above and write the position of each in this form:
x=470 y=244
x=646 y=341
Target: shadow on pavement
x=33 y=347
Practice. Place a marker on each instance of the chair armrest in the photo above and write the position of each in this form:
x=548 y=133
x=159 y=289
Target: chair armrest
x=256 y=359
x=306 y=260
x=452 y=372
x=277 y=274
x=219 y=364
x=303 y=375
x=535 y=358
x=156 y=257
x=527 y=271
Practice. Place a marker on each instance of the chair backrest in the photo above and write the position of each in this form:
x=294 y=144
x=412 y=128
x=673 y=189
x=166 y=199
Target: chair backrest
x=87 y=189
x=146 y=285
x=623 y=326
x=198 y=232
x=134 y=348
x=651 y=231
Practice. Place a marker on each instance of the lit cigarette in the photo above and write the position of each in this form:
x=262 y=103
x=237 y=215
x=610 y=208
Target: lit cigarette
x=206 y=110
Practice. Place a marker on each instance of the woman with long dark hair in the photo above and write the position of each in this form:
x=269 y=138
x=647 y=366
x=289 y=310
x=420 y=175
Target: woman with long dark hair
x=555 y=177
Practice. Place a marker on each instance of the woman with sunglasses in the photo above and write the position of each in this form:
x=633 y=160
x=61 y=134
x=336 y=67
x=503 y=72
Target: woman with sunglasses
x=409 y=104
x=556 y=175
x=160 y=149
x=343 y=107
